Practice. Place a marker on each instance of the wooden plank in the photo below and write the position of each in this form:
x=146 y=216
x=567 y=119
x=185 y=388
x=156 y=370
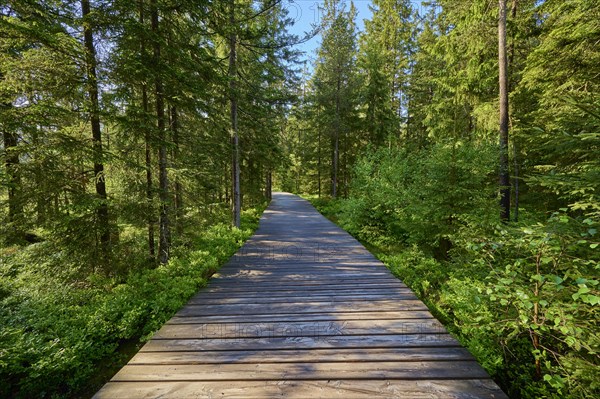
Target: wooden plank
x=305 y=342
x=300 y=279
x=303 y=371
x=312 y=261
x=215 y=295
x=329 y=316
x=257 y=274
x=298 y=285
x=342 y=389
x=301 y=299
x=300 y=356
x=260 y=277
x=265 y=291
x=298 y=329
x=294 y=286
x=290 y=266
x=306 y=307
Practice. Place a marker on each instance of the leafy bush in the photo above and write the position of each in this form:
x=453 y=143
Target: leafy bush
x=421 y=197
x=55 y=332
x=543 y=288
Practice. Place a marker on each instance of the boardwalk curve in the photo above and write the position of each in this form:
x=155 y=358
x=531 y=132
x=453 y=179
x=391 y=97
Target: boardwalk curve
x=303 y=310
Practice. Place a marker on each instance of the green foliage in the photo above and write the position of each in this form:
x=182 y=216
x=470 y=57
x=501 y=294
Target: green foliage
x=543 y=287
x=383 y=59
x=422 y=273
x=421 y=196
x=56 y=329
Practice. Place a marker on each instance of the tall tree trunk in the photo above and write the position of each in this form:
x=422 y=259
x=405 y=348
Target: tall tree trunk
x=269 y=185
x=42 y=201
x=149 y=185
x=148 y=150
x=227 y=185
x=164 y=241
x=513 y=13
x=178 y=186
x=235 y=156
x=319 y=163
x=318 y=158
x=336 y=144
x=504 y=181
x=11 y=163
x=345 y=167
x=92 y=89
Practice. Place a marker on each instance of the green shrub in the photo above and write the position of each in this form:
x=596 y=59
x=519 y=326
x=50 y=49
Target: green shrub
x=544 y=289
x=56 y=331
x=421 y=197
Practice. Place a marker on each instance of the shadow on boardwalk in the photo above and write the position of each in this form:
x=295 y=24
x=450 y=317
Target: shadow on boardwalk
x=302 y=311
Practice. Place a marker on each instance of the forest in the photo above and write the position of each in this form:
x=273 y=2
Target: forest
x=141 y=140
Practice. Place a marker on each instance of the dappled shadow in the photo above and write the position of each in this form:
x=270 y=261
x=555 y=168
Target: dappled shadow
x=302 y=310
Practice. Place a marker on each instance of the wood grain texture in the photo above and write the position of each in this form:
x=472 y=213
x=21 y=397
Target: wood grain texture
x=298 y=389
x=302 y=310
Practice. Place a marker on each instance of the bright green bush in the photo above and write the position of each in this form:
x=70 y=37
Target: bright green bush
x=56 y=331
x=421 y=197
x=543 y=289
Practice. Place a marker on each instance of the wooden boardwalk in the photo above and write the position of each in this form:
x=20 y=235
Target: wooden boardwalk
x=303 y=310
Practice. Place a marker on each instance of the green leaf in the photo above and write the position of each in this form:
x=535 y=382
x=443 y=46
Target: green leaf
x=556 y=279
x=591 y=299
x=546 y=259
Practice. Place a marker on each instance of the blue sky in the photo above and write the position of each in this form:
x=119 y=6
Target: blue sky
x=306 y=12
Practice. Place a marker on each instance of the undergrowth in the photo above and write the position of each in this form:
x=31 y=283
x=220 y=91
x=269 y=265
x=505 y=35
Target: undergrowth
x=57 y=333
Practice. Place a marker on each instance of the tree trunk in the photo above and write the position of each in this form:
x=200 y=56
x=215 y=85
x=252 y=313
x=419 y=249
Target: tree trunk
x=319 y=161
x=149 y=185
x=92 y=91
x=235 y=158
x=504 y=181
x=178 y=186
x=148 y=152
x=164 y=241
x=513 y=13
x=269 y=185
x=336 y=145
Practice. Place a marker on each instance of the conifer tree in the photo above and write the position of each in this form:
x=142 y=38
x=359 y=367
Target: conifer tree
x=336 y=87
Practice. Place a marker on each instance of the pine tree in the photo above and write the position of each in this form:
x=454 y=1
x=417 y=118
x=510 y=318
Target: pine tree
x=560 y=122
x=386 y=48
x=503 y=83
x=336 y=87
x=94 y=111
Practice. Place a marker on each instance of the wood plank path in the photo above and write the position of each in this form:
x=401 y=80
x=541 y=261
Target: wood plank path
x=303 y=310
